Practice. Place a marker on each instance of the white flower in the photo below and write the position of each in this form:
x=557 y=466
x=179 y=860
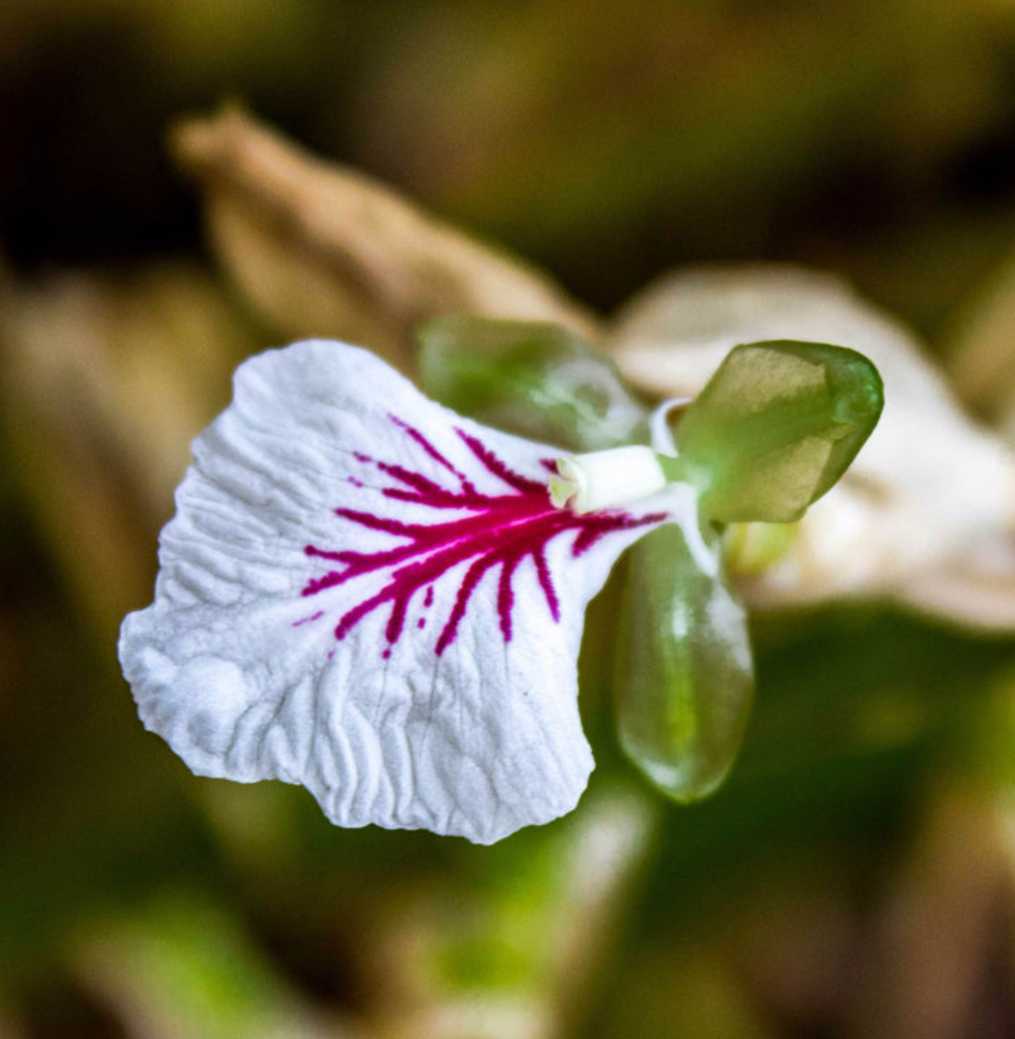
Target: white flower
x=366 y=594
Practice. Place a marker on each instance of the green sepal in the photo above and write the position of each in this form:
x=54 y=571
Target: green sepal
x=684 y=679
x=775 y=427
x=532 y=378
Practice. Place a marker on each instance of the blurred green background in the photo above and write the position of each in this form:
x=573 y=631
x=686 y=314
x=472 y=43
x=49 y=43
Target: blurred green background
x=853 y=878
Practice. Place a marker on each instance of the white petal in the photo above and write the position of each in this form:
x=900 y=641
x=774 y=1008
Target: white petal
x=391 y=694
x=927 y=485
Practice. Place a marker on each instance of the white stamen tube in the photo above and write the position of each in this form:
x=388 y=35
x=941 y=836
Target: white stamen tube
x=605 y=479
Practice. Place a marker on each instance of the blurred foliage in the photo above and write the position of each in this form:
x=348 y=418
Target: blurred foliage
x=854 y=877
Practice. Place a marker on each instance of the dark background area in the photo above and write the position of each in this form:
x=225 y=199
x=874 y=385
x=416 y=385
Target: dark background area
x=608 y=143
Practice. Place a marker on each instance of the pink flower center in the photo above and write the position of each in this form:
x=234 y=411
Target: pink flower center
x=498 y=531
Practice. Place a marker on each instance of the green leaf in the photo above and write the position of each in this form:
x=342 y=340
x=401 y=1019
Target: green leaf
x=532 y=378
x=185 y=966
x=684 y=677
x=775 y=427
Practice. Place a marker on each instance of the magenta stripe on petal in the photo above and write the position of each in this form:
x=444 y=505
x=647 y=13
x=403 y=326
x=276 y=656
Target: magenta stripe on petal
x=500 y=530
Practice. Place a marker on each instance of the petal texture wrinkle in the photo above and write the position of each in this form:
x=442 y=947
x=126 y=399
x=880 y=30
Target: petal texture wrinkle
x=363 y=593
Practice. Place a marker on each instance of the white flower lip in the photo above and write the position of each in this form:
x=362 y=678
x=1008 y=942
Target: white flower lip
x=363 y=593
x=606 y=479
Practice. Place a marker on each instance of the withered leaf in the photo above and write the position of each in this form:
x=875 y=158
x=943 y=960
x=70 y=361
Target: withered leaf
x=321 y=250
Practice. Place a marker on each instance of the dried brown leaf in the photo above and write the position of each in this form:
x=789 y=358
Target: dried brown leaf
x=321 y=250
